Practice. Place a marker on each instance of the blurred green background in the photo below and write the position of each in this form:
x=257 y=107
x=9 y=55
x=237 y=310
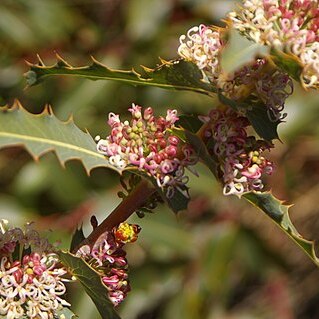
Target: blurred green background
x=220 y=259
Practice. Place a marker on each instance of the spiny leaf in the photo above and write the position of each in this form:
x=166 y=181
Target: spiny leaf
x=173 y=75
x=266 y=202
x=257 y=114
x=278 y=212
x=259 y=119
x=77 y=238
x=43 y=133
x=91 y=282
x=189 y=122
x=201 y=150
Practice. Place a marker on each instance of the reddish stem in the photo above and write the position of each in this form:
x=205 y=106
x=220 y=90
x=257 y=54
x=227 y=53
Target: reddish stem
x=122 y=212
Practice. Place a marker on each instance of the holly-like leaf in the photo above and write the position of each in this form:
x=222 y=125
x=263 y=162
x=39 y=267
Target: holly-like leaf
x=287 y=62
x=279 y=213
x=266 y=202
x=77 y=238
x=202 y=152
x=190 y=123
x=259 y=119
x=257 y=114
x=43 y=133
x=173 y=75
x=91 y=282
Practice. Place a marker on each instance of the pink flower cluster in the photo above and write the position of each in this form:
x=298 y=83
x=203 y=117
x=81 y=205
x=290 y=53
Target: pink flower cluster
x=240 y=156
x=202 y=46
x=288 y=25
x=265 y=83
x=108 y=258
x=147 y=143
x=271 y=86
x=31 y=285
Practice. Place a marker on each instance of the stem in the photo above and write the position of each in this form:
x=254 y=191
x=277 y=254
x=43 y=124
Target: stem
x=121 y=213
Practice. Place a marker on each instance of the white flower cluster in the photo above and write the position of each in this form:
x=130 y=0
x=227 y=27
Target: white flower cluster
x=291 y=26
x=202 y=46
x=31 y=279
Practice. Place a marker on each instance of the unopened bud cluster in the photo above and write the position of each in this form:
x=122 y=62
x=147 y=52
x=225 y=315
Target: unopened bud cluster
x=240 y=157
x=147 y=143
x=288 y=25
x=109 y=259
x=31 y=283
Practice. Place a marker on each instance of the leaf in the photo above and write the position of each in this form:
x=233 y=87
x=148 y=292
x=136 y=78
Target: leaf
x=43 y=133
x=202 y=152
x=259 y=119
x=91 y=282
x=189 y=122
x=278 y=212
x=179 y=201
x=257 y=114
x=240 y=51
x=173 y=75
x=287 y=62
x=77 y=238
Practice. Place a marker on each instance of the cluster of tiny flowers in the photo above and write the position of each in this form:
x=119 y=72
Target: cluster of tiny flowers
x=201 y=45
x=147 y=143
x=31 y=285
x=239 y=155
x=288 y=25
x=108 y=258
x=267 y=84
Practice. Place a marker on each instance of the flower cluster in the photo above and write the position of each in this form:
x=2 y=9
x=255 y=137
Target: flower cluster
x=108 y=258
x=31 y=284
x=202 y=46
x=288 y=25
x=239 y=155
x=147 y=143
x=269 y=85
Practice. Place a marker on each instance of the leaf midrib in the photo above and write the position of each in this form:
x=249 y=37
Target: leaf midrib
x=51 y=142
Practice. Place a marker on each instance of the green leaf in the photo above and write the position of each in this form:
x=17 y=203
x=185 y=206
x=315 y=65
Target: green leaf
x=173 y=75
x=77 y=238
x=91 y=282
x=287 y=62
x=240 y=51
x=259 y=119
x=43 y=133
x=257 y=114
x=179 y=201
x=201 y=150
x=278 y=212
x=189 y=122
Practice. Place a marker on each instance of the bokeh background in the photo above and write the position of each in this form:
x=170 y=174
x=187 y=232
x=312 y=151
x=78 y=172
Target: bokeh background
x=220 y=259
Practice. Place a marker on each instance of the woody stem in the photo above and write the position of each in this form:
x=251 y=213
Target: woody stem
x=122 y=212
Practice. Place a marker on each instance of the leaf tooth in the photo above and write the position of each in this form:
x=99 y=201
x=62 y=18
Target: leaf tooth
x=40 y=62
x=61 y=62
